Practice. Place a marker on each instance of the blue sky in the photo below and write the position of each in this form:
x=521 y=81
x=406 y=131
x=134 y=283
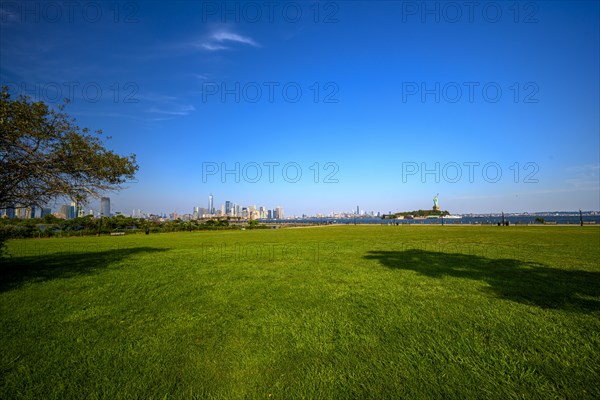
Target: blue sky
x=376 y=104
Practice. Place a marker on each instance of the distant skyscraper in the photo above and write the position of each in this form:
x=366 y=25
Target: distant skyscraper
x=64 y=210
x=45 y=211
x=211 y=208
x=73 y=211
x=227 y=207
x=23 y=212
x=105 y=207
x=279 y=212
x=69 y=212
x=357 y=210
x=20 y=212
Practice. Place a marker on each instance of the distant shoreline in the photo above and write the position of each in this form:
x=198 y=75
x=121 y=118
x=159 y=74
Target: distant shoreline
x=291 y=225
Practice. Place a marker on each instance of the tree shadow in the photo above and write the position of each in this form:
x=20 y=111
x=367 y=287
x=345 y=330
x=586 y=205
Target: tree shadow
x=520 y=281
x=16 y=271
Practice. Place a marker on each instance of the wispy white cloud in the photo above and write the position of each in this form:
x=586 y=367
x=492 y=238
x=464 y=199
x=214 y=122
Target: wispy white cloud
x=153 y=97
x=233 y=37
x=164 y=107
x=584 y=176
x=223 y=39
x=173 y=109
x=213 y=47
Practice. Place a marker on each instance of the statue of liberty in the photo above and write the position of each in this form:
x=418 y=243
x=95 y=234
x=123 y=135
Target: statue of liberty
x=436 y=207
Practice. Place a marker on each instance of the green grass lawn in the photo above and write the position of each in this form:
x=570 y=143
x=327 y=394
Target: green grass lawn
x=328 y=312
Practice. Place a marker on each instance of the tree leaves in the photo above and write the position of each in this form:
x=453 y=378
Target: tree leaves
x=44 y=154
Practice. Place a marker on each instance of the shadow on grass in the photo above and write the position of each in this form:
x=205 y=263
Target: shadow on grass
x=520 y=281
x=15 y=271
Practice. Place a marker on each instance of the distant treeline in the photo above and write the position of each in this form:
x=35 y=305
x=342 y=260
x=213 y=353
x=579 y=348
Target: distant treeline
x=50 y=226
x=416 y=213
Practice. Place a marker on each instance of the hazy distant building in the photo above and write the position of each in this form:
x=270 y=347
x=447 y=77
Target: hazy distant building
x=228 y=207
x=279 y=212
x=105 y=207
x=136 y=213
x=45 y=211
x=10 y=212
x=211 y=208
x=72 y=211
x=25 y=212
x=65 y=210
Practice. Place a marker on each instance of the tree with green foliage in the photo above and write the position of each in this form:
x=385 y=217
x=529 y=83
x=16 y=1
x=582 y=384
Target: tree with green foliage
x=45 y=155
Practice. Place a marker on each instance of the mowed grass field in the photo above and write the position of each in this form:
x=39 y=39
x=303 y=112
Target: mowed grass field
x=339 y=312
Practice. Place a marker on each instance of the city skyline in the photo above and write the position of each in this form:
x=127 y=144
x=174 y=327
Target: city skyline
x=227 y=210
x=71 y=211
x=495 y=112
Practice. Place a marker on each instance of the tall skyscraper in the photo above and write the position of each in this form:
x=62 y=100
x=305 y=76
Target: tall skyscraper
x=70 y=212
x=357 y=210
x=65 y=210
x=211 y=208
x=228 y=207
x=279 y=212
x=73 y=211
x=105 y=207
